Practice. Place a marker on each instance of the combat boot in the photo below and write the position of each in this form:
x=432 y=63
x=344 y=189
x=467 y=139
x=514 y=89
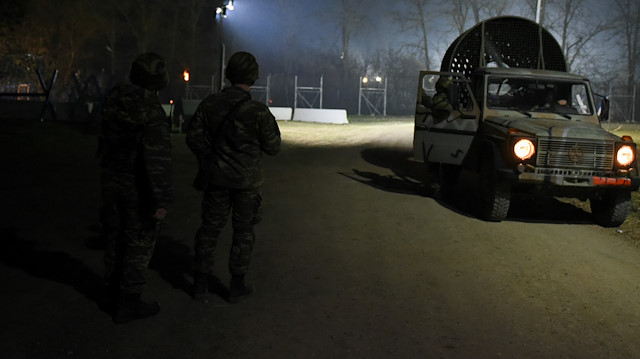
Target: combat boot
x=131 y=307
x=111 y=294
x=200 y=286
x=238 y=289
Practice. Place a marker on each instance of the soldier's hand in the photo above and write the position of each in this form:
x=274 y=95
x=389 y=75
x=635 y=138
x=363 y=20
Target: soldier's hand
x=160 y=214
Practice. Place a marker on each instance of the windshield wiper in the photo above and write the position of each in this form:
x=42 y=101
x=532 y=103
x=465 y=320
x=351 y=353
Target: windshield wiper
x=555 y=112
x=527 y=113
x=562 y=114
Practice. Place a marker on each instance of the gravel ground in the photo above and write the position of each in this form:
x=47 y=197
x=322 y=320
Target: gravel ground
x=354 y=259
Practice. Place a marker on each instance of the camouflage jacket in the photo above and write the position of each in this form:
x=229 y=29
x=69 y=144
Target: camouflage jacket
x=135 y=146
x=228 y=134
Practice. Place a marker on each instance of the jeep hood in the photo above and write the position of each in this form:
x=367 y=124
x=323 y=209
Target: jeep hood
x=559 y=128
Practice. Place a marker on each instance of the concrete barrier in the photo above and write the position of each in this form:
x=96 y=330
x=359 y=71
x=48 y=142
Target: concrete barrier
x=168 y=109
x=337 y=116
x=281 y=113
x=189 y=107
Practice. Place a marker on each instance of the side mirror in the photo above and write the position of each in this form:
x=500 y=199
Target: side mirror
x=603 y=110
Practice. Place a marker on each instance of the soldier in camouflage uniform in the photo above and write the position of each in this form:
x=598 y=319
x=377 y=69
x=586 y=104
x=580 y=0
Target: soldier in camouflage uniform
x=440 y=103
x=228 y=134
x=135 y=151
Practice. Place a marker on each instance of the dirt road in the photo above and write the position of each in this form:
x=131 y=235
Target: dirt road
x=354 y=259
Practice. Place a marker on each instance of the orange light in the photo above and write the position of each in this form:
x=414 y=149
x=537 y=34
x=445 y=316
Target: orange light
x=524 y=149
x=625 y=155
x=185 y=75
x=171 y=101
x=627 y=138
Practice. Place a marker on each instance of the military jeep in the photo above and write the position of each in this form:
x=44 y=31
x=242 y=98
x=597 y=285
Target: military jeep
x=504 y=108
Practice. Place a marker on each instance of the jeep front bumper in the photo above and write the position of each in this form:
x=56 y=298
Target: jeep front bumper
x=571 y=178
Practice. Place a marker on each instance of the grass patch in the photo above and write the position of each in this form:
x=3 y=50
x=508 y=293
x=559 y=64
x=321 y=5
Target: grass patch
x=369 y=119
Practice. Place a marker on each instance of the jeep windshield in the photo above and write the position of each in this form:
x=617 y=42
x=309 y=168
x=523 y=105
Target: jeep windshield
x=527 y=95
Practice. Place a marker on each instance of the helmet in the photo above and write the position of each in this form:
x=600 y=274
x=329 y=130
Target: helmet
x=242 y=68
x=149 y=71
x=443 y=84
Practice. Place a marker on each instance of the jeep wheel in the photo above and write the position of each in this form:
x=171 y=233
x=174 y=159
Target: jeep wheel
x=495 y=195
x=610 y=208
x=448 y=176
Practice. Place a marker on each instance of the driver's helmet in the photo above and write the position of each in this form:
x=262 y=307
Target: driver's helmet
x=443 y=84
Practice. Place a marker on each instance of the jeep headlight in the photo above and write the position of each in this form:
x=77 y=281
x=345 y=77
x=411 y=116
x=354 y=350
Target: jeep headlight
x=625 y=155
x=524 y=149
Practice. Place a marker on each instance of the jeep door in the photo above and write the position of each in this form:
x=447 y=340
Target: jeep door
x=446 y=118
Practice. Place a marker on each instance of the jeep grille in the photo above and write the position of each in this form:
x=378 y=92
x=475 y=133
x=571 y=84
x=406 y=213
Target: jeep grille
x=574 y=154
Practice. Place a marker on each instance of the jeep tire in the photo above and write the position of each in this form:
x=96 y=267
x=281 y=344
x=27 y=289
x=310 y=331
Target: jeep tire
x=448 y=176
x=610 y=208
x=494 y=193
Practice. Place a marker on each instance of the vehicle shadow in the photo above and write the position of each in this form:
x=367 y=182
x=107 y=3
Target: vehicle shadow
x=536 y=209
x=411 y=177
x=389 y=183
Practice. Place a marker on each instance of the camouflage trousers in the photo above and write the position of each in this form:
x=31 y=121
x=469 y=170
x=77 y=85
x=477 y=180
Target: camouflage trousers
x=130 y=231
x=217 y=203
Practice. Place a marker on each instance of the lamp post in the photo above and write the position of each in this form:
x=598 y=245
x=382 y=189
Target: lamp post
x=221 y=12
x=186 y=78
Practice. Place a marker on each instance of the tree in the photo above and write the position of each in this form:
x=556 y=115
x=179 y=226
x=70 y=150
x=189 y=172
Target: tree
x=402 y=71
x=58 y=34
x=415 y=21
x=459 y=10
x=459 y=13
x=193 y=10
x=576 y=27
x=12 y=15
x=350 y=19
x=497 y=8
x=140 y=17
x=532 y=6
x=628 y=13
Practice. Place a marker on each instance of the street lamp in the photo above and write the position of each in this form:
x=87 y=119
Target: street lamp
x=222 y=11
x=186 y=77
x=366 y=79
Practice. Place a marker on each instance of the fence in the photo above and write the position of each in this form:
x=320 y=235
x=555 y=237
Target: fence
x=375 y=97
x=21 y=94
x=623 y=106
